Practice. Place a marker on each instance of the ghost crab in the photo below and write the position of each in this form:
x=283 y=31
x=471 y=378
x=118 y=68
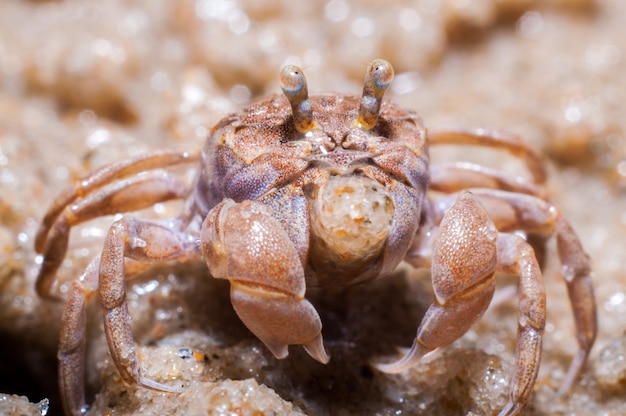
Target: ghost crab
x=300 y=191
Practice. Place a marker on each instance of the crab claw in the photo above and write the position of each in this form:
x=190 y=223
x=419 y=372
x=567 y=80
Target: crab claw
x=243 y=243
x=464 y=263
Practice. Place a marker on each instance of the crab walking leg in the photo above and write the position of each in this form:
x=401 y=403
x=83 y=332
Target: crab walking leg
x=104 y=176
x=71 y=354
x=576 y=270
x=454 y=177
x=517 y=257
x=511 y=211
x=496 y=140
x=123 y=196
x=143 y=241
x=532 y=214
x=243 y=243
x=464 y=261
x=72 y=338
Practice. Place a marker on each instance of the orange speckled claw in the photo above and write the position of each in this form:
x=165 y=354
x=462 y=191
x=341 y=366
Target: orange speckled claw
x=293 y=84
x=378 y=78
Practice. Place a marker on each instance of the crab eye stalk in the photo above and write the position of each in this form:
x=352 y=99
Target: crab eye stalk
x=378 y=78
x=293 y=84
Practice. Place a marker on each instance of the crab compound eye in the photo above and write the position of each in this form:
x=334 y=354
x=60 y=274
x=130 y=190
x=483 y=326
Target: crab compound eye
x=378 y=78
x=381 y=73
x=293 y=84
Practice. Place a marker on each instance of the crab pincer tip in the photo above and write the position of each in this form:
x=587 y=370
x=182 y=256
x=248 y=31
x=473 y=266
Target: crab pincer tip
x=156 y=386
x=317 y=351
x=411 y=358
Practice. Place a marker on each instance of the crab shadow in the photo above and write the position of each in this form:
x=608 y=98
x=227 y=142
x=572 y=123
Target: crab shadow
x=361 y=324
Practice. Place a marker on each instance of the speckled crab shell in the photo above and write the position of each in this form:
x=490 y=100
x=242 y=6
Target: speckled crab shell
x=258 y=154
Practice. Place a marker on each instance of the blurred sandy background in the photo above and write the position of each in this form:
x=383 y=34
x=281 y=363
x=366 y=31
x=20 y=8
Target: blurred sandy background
x=86 y=83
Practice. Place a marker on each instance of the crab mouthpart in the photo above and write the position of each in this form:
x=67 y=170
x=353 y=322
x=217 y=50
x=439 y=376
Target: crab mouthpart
x=350 y=221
